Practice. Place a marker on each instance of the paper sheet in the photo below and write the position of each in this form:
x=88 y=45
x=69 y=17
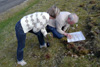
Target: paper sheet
x=76 y=36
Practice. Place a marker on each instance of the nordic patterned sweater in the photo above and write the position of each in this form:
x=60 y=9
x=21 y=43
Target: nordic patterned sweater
x=36 y=22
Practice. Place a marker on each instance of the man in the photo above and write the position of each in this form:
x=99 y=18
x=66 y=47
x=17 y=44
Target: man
x=34 y=23
x=59 y=25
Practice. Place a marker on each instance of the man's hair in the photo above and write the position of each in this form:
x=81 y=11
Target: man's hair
x=53 y=11
x=73 y=17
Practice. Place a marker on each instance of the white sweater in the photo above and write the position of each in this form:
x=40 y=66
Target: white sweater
x=36 y=21
x=60 y=22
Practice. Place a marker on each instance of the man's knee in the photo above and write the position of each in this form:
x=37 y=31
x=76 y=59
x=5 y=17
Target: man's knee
x=59 y=37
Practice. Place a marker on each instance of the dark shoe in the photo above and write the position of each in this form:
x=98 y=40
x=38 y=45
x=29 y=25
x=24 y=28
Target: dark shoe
x=47 y=44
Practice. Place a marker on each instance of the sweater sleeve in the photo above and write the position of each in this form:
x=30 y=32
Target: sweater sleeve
x=59 y=27
x=66 y=27
x=44 y=32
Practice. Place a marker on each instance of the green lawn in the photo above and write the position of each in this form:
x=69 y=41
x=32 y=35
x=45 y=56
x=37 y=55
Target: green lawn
x=57 y=55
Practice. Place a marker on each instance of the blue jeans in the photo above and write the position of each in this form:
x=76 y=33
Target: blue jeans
x=54 y=31
x=21 y=37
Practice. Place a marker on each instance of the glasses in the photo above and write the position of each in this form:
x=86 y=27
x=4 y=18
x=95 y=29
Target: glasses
x=69 y=21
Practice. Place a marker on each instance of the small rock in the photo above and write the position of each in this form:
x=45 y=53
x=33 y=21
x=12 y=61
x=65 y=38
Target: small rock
x=73 y=28
x=76 y=25
x=92 y=54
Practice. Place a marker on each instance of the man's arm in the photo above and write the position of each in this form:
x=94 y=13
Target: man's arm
x=66 y=27
x=59 y=29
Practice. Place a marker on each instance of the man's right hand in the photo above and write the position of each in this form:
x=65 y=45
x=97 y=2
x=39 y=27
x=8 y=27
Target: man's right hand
x=68 y=35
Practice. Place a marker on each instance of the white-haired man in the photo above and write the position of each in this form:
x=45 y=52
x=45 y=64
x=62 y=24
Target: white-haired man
x=59 y=25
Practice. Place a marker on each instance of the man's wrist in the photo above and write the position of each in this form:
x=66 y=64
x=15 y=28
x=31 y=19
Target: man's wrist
x=65 y=33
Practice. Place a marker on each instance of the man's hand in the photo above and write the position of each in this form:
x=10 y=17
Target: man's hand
x=68 y=35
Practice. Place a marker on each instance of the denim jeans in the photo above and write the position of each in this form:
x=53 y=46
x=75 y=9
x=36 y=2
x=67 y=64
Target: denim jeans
x=39 y=36
x=54 y=31
x=21 y=37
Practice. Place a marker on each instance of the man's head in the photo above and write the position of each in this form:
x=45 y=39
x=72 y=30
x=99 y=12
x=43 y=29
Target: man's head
x=72 y=18
x=53 y=11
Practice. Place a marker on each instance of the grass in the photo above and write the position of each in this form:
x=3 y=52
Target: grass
x=16 y=15
x=56 y=54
